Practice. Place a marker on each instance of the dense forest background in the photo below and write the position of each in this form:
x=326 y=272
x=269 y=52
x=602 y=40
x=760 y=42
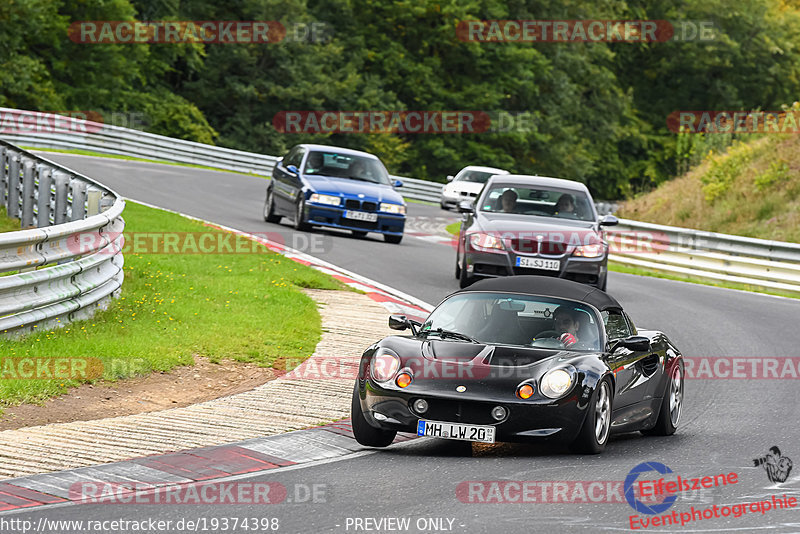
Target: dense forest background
x=600 y=108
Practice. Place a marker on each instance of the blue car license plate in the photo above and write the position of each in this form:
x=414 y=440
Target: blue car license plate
x=438 y=429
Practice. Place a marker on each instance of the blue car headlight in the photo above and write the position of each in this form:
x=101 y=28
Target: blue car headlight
x=397 y=209
x=329 y=200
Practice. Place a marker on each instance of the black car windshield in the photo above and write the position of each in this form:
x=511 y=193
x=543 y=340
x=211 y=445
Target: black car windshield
x=346 y=166
x=514 y=319
x=540 y=201
x=480 y=177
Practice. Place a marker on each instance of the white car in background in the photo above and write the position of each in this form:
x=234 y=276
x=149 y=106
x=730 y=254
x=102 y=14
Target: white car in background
x=466 y=185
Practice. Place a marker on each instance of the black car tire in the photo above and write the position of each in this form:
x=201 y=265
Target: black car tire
x=269 y=209
x=365 y=433
x=604 y=285
x=591 y=439
x=444 y=206
x=669 y=414
x=359 y=233
x=465 y=280
x=299 y=223
x=394 y=239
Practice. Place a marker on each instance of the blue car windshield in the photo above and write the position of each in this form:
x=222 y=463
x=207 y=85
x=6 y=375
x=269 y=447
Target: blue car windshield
x=514 y=319
x=346 y=166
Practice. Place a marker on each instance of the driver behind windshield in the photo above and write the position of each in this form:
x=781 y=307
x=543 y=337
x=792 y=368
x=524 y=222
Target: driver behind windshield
x=314 y=163
x=567 y=322
x=358 y=170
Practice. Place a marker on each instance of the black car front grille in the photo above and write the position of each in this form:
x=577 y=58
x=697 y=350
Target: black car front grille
x=552 y=248
x=475 y=413
x=525 y=246
x=352 y=204
x=366 y=225
x=538 y=272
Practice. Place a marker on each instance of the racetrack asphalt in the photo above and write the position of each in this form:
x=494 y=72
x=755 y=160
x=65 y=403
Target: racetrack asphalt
x=726 y=423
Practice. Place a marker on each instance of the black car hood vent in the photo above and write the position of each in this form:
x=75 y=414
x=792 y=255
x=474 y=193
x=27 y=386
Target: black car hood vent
x=517 y=356
x=459 y=351
x=454 y=351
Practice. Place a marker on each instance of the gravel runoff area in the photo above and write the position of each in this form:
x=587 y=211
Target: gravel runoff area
x=317 y=392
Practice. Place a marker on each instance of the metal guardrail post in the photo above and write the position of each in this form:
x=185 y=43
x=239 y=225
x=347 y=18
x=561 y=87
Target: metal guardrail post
x=3 y=174
x=62 y=189
x=78 y=200
x=26 y=217
x=12 y=197
x=93 y=198
x=44 y=197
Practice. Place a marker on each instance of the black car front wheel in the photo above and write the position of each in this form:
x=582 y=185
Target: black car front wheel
x=593 y=436
x=269 y=209
x=671 y=405
x=365 y=433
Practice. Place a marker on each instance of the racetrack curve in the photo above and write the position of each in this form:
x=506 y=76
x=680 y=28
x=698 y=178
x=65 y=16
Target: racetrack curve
x=726 y=422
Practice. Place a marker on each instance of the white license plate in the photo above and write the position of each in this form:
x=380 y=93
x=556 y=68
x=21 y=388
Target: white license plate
x=361 y=216
x=536 y=263
x=436 y=429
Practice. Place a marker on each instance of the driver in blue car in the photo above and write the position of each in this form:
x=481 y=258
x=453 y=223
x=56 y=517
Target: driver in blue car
x=568 y=322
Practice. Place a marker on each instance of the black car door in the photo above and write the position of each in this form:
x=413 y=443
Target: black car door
x=630 y=367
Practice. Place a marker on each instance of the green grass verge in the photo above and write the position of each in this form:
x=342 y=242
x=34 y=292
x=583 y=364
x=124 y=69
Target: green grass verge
x=621 y=268
x=245 y=307
x=81 y=152
x=453 y=228
x=7 y=224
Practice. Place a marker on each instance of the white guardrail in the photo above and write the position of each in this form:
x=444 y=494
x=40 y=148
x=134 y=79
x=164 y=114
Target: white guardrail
x=67 y=261
x=678 y=251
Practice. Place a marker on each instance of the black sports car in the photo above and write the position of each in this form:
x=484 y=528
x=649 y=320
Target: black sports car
x=515 y=359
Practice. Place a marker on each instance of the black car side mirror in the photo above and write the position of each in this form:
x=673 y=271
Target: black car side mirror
x=632 y=343
x=399 y=322
x=466 y=206
x=292 y=169
x=609 y=220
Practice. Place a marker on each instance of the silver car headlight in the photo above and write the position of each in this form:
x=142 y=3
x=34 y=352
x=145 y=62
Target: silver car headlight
x=483 y=241
x=397 y=209
x=556 y=383
x=329 y=200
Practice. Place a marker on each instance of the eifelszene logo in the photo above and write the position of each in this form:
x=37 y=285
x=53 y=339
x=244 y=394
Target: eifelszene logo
x=778 y=467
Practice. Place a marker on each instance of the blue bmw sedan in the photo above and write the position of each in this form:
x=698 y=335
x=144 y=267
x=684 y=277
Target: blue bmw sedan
x=317 y=185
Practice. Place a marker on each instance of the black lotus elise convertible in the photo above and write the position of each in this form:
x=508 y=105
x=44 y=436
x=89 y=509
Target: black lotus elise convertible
x=516 y=359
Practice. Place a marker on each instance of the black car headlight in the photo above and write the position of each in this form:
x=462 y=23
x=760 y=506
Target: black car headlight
x=589 y=251
x=384 y=365
x=557 y=382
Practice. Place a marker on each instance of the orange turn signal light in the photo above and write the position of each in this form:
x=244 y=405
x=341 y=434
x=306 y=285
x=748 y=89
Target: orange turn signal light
x=525 y=391
x=403 y=380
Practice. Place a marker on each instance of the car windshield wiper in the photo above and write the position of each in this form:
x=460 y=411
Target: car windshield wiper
x=452 y=335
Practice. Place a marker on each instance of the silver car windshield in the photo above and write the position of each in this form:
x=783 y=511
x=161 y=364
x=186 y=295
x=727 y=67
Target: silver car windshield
x=513 y=319
x=346 y=166
x=480 y=177
x=538 y=201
